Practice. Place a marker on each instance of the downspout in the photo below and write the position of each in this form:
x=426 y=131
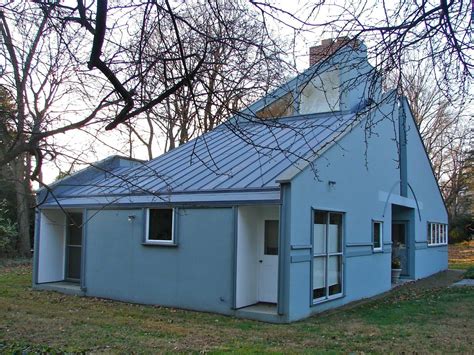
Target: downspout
x=36 y=245
x=403 y=148
x=85 y=218
x=283 y=303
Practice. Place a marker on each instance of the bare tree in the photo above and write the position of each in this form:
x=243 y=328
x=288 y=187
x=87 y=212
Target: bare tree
x=115 y=37
x=445 y=130
x=439 y=32
x=40 y=74
x=242 y=63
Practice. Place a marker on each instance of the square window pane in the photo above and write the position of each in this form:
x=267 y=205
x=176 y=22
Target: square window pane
x=319 y=232
x=335 y=233
x=319 y=275
x=335 y=275
x=271 y=238
x=319 y=293
x=160 y=225
x=320 y=217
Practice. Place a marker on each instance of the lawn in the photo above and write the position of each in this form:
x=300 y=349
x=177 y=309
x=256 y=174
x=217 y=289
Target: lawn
x=423 y=316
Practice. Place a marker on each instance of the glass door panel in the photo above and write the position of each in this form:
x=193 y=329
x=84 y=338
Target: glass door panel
x=327 y=254
x=74 y=247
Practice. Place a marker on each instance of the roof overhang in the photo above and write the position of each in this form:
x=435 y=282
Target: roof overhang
x=269 y=196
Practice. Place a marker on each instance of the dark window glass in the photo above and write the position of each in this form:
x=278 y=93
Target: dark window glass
x=319 y=292
x=320 y=217
x=161 y=225
x=74 y=263
x=398 y=234
x=377 y=235
x=271 y=237
x=75 y=229
x=335 y=218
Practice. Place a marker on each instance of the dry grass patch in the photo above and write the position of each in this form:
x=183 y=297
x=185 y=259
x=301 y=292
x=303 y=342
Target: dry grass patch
x=425 y=316
x=461 y=255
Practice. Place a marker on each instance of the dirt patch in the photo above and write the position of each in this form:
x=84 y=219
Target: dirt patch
x=439 y=280
x=8 y=266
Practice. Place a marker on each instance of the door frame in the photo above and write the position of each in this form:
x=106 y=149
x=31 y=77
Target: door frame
x=406 y=224
x=261 y=255
x=342 y=254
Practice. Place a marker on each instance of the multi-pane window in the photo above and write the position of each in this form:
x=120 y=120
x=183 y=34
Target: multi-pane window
x=377 y=235
x=437 y=234
x=160 y=226
x=327 y=255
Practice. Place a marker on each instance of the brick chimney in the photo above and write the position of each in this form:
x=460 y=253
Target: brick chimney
x=328 y=47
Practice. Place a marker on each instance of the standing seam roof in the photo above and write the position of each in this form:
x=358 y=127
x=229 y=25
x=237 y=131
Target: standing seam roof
x=234 y=156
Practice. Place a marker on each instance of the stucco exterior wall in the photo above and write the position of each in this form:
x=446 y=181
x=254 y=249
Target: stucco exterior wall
x=195 y=274
x=428 y=259
x=365 y=175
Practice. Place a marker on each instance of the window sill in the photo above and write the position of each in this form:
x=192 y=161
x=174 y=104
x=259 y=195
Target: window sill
x=437 y=245
x=377 y=251
x=330 y=298
x=159 y=244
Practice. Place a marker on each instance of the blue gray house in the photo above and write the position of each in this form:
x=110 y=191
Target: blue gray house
x=296 y=205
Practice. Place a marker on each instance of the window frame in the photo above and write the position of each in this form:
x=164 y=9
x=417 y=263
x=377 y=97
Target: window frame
x=437 y=238
x=380 y=248
x=147 y=241
x=265 y=236
x=327 y=255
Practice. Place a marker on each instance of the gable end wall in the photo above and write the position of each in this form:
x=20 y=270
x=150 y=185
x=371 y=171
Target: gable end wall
x=360 y=193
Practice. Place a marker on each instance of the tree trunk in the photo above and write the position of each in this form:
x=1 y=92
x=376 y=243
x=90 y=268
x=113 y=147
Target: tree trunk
x=23 y=195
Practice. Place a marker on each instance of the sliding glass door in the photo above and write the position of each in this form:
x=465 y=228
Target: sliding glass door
x=74 y=247
x=327 y=255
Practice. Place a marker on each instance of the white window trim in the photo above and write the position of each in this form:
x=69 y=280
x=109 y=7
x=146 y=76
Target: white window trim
x=380 y=248
x=437 y=239
x=147 y=230
x=327 y=255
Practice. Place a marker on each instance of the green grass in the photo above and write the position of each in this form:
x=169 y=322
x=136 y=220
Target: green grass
x=425 y=316
x=459 y=266
x=469 y=273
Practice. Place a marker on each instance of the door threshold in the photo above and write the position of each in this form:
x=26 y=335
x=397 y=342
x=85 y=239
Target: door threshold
x=264 y=312
x=261 y=307
x=67 y=287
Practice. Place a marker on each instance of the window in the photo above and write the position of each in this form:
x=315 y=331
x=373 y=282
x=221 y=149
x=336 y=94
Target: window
x=281 y=107
x=160 y=226
x=377 y=235
x=271 y=237
x=437 y=234
x=327 y=255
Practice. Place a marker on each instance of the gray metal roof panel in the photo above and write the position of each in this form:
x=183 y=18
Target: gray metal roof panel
x=237 y=155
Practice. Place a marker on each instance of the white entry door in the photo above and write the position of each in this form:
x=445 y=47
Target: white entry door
x=268 y=263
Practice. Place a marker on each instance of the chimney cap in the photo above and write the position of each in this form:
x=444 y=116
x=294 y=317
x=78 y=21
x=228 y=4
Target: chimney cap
x=327 y=42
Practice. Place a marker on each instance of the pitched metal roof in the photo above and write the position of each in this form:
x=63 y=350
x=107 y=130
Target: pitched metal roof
x=235 y=156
